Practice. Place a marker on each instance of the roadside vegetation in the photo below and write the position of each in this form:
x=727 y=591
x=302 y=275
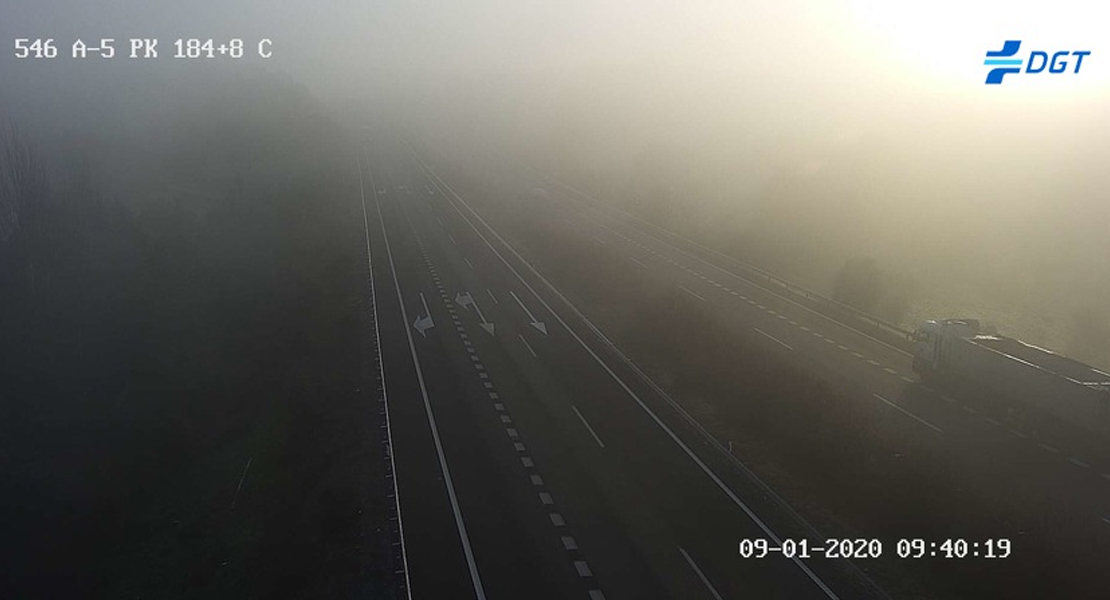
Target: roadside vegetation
x=183 y=411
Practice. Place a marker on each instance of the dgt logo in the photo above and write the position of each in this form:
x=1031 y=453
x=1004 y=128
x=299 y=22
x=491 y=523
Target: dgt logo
x=1003 y=62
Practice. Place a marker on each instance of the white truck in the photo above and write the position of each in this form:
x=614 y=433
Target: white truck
x=1028 y=379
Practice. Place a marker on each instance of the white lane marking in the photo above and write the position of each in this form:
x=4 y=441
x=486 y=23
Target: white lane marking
x=512 y=433
x=518 y=446
x=909 y=414
x=569 y=543
x=250 y=459
x=596 y=595
x=1075 y=461
x=385 y=394
x=527 y=462
x=588 y=428
x=873 y=362
x=546 y=499
x=725 y=489
x=804 y=328
x=842 y=347
x=891 y=371
x=527 y=345
x=994 y=422
x=1051 y=449
x=582 y=568
x=557 y=519
x=857 y=355
x=970 y=409
x=637 y=261
x=907 y=379
x=1019 y=434
x=701 y=576
x=536 y=479
x=475 y=579
x=468 y=263
x=772 y=338
x=683 y=288
x=506 y=419
x=600 y=241
x=451 y=236
x=1106 y=476
x=492 y=297
x=498 y=407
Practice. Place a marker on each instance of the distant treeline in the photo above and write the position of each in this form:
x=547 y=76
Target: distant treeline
x=154 y=340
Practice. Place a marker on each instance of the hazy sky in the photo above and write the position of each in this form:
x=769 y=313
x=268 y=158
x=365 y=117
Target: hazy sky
x=883 y=100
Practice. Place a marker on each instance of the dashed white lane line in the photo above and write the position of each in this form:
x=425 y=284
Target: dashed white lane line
x=536 y=479
x=527 y=462
x=857 y=355
x=557 y=520
x=907 y=379
x=513 y=433
x=1106 y=520
x=492 y=297
x=506 y=419
x=772 y=338
x=582 y=568
x=588 y=428
x=569 y=543
x=637 y=261
x=1106 y=476
x=519 y=447
x=891 y=371
x=546 y=499
x=970 y=409
x=1019 y=434
x=694 y=294
x=468 y=263
x=842 y=347
x=909 y=414
x=452 y=239
x=1048 y=448
x=804 y=328
x=1079 y=463
x=527 y=345
x=596 y=595
x=994 y=422
x=700 y=574
x=600 y=241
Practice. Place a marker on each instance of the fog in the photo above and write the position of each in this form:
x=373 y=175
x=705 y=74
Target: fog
x=796 y=135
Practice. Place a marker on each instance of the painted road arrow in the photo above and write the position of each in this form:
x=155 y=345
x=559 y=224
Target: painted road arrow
x=466 y=301
x=534 y=322
x=423 y=324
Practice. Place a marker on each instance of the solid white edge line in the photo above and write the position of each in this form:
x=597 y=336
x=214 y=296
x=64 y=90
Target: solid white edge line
x=691 y=292
x=772 y=338
x=479 y=592
x=701 y=576
x=587 y=424
x=674 y=437
x=909 y=414
x=381 y=372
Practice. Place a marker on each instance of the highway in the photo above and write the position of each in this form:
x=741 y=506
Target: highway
x=530 y=462
x=536 y=458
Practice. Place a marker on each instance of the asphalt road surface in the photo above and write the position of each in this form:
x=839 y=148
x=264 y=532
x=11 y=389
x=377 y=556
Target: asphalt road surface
x=534 y=459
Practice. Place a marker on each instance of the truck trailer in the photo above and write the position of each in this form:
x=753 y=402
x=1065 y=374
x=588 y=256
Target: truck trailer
x=1025 y=378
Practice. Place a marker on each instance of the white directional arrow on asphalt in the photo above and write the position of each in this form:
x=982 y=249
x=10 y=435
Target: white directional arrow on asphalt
x=423 y=324
x=465 y=300
x=534 y=322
